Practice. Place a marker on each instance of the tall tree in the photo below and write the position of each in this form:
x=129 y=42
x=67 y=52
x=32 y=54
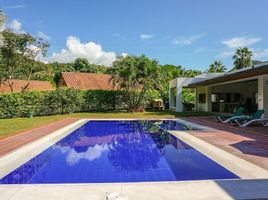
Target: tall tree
x=242 y=58
x=19 y=52
x=2 y=18
x=82 y=65
x=137 y=75
x=217 y=67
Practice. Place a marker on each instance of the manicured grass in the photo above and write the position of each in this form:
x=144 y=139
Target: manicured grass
x=10 y=127
x=14 y=126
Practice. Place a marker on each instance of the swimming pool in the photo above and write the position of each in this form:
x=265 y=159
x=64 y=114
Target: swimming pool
x=118 y=151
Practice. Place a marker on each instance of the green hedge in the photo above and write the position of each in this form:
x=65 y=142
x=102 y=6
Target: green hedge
x=104 y=100
x=63 y=101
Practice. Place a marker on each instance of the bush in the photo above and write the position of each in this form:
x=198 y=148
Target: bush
x=104 y=100
x=10 y=105
x=64 y=100
x=23 y=104
x=31 y=102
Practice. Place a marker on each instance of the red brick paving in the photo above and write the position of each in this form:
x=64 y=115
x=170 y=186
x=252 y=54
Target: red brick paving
x=249 y=143
x=12 y=143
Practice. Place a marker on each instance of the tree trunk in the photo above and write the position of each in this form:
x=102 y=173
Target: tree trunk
x=10 y=84
x=28 y=81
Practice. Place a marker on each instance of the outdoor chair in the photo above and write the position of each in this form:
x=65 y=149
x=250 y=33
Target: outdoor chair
x=226 y=118
x=245 y=121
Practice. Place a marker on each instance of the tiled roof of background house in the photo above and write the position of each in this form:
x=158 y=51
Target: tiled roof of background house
x=87 y=81
x=18 y=85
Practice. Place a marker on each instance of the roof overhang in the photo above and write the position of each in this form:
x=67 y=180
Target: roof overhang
x=258 y=70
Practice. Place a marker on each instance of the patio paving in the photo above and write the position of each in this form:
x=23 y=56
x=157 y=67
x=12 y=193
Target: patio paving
x=249 y=143
x=12 y=143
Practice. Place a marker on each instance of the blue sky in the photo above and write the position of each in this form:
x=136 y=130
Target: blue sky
x=190 y=33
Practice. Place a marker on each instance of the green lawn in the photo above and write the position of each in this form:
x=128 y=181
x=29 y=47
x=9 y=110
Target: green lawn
x=10 y=127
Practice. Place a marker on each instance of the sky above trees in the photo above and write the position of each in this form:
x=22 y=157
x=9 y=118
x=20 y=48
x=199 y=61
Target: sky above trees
x=186 y=32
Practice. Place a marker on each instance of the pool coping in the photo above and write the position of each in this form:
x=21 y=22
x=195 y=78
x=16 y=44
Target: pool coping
x=240 y=167
x=13 y=160
x=204 y=189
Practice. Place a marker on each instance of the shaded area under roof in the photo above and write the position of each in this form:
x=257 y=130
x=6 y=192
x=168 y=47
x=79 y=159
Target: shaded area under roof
x=257 y=70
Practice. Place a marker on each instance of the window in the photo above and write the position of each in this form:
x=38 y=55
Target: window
x=202 y=98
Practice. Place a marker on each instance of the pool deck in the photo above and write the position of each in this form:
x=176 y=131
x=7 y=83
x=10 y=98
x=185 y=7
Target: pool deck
x=8 y=145
x=249 y=146
x=185 y=190
x=249 y=143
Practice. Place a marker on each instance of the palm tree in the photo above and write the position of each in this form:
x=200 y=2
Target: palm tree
x=189 y=72
x=217 y=67
x=137 y=75
x=2 y=18
x=242 y=58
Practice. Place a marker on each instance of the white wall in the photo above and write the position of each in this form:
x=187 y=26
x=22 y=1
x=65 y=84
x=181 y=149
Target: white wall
x=179 y=83
x=172 y=85
x=245 y=88
x=207 y=105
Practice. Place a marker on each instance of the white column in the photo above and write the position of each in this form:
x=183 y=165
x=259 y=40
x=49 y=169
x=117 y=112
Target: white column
x=179 y=106
x=195 y=106
x=263 y=94
x=208 y=99
x=171 y=101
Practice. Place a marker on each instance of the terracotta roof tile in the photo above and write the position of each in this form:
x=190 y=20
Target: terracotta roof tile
x=87 y=81
x=19 y=84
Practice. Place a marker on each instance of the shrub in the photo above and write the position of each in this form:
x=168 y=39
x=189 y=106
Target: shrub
x=64 y=100
x=31 y=102
x=9 y=105
x=104 y=100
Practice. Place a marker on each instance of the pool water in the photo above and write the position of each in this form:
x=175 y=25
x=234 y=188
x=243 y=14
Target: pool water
x=118 y=151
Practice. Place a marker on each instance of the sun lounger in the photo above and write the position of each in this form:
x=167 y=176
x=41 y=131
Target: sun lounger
x=265 y=122
x=256 y=117
x=226 y=119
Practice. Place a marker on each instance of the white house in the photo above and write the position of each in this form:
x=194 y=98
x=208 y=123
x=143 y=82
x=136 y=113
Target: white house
x=224 y=92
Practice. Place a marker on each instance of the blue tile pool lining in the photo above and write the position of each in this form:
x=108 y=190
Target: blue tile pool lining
x=118 y=151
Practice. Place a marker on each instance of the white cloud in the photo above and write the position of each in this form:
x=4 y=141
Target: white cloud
x=15 y=6
x=226 y=54
x=15 y=25
x=146 y=36
x=124 y=54
x=43 y=35
x=244 y=41
x=182 y=41
x=90 y=50
x=260 y=53
x=92 y=153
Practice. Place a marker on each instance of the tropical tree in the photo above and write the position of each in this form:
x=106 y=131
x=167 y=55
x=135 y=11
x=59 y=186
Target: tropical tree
x=242 y=58
x=172 y=72
x=82 y=65
x=217 y=67
x=2 y=18
x=19 y=52
x=189 y=72
x=137 y=75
